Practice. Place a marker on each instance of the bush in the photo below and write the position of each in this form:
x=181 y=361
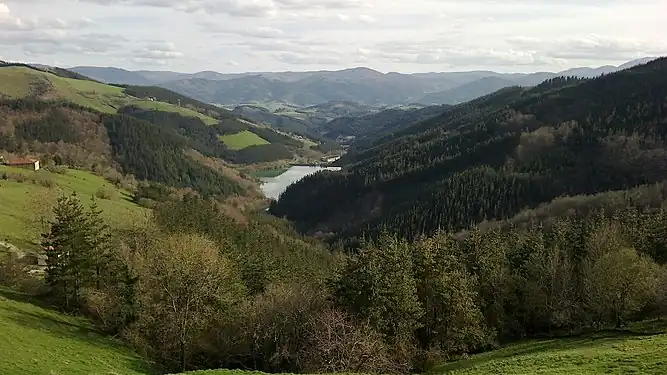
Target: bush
x=12 y=272
x=44 y=179
x=335 y=343
x=60 y=169
x=18 y=177
x=112 y=175
x=105 y=192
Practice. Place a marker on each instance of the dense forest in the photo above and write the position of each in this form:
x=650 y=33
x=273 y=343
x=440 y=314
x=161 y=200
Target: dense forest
x=373 y=126
x=493 y=157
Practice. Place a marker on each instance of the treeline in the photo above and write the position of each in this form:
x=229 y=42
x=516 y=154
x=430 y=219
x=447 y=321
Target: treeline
x=192 y=289
x=493 y=157
x=168 y=96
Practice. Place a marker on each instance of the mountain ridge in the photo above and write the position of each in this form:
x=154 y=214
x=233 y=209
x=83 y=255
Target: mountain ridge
x=359 y=84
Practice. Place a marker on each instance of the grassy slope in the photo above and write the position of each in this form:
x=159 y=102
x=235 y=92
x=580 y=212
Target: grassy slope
x=18 y=82
x=22 y=201
x=38 y=341
x=641 y=351
x=242 y=140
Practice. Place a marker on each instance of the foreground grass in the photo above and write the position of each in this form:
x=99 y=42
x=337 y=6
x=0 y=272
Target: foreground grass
x=36 y=340
x=640 y=350
x=19 y=82
x=242 y=140
x=23 y=203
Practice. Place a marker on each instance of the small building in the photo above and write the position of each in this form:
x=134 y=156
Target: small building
x=27 y=163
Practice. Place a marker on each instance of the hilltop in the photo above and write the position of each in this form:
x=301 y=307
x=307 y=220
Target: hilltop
x=23 y=81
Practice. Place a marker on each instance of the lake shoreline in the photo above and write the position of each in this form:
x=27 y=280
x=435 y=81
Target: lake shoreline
x=273 y=187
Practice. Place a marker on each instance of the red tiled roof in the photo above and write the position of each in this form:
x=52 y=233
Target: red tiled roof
x=21 y=161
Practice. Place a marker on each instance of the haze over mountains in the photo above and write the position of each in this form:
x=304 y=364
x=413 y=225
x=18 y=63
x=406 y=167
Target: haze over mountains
x=361 y=85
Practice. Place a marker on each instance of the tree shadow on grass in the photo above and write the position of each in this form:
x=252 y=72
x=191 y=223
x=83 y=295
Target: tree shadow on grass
x=49 y=321
x=648 y=328
x=26 y=298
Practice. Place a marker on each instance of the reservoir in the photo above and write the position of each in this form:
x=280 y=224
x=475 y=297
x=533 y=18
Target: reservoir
x=274 y=186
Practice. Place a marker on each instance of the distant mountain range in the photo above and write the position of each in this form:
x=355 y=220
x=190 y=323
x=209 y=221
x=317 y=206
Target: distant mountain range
x=361 y=85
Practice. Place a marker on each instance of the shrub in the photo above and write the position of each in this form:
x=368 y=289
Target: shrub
x=12 y=271
x=145 y=202
x=335 y=343
x=60 y=169
x=44 y=179
x=113 y=175
x=18 y=177
x=105 y=192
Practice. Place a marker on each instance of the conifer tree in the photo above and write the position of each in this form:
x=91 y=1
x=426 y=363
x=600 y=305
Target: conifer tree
x=67 y=245
x=78 y=253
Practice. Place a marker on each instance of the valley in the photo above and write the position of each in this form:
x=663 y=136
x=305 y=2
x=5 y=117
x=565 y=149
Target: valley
x=326 y=222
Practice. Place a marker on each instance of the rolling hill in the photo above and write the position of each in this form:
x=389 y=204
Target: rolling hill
x=22 y=81
x=374 y=126
x=360 y=85
x=493 y=157
x=468 y=91
x=18 y=81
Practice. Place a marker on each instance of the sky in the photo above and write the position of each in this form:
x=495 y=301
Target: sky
x=297 y=35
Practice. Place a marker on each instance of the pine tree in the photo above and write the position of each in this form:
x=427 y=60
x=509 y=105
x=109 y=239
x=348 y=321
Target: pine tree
x=66 y=246
x=78 y=252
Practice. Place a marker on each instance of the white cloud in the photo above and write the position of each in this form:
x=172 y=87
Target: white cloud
x=158 y=51
x=389 y=35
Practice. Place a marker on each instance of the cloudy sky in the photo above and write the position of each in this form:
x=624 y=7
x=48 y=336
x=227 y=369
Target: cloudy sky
x=387 y=35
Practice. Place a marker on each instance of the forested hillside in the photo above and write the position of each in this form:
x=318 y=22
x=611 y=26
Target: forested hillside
x=495 y=156
x=375 y=126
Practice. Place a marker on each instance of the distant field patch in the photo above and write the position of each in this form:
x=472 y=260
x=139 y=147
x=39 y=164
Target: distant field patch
x=242 y=140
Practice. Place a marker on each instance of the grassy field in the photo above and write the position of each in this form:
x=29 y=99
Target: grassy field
x=242 y=140
x=18 y=82
x=38 y=341
x=24 y=202
x=642 y=350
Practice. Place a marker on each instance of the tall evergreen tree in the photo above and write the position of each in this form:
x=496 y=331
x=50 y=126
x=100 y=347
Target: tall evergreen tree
x=78 y=252
x=67 y=246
